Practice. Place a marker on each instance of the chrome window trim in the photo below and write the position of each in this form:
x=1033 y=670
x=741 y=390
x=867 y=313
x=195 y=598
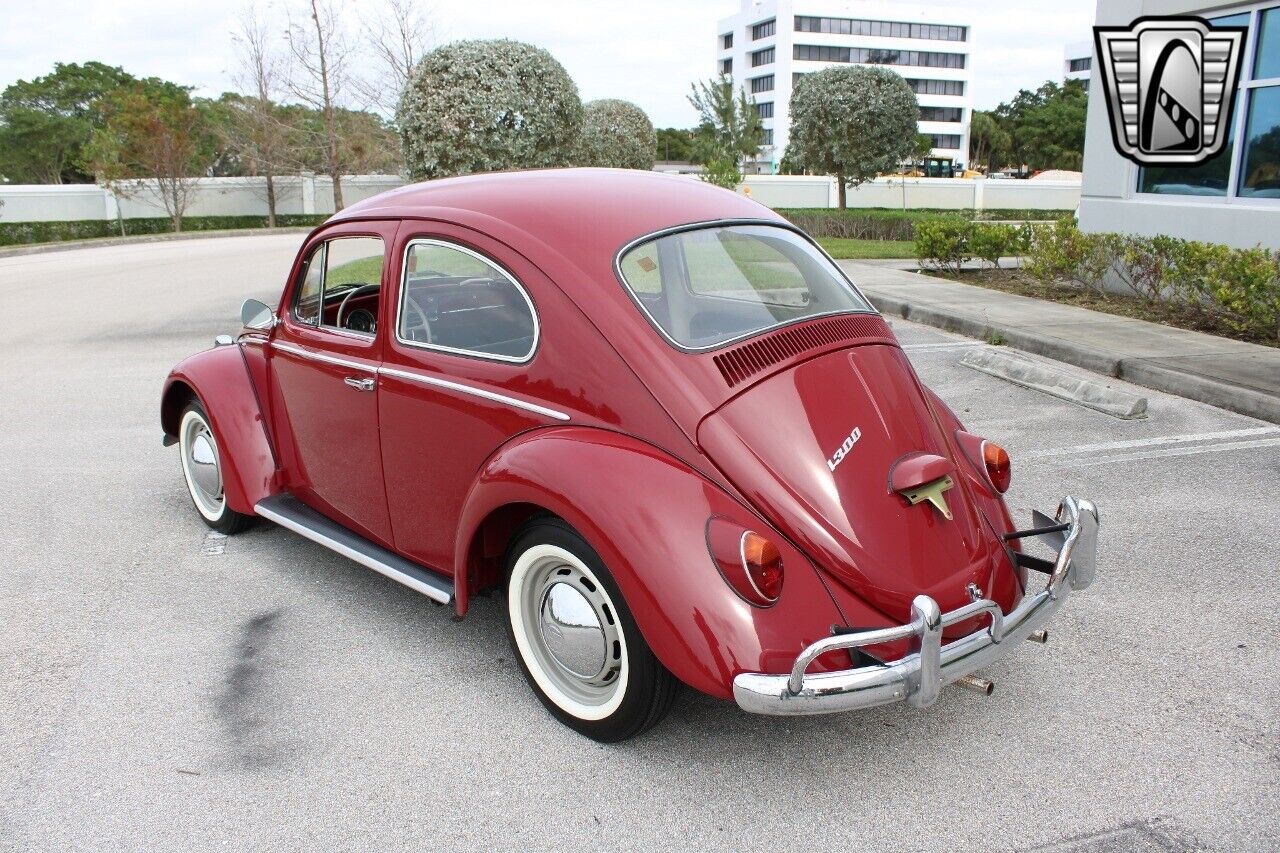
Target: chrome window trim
x=492 y=396
x=324 y=357
x=404 y=292
x=722 y=223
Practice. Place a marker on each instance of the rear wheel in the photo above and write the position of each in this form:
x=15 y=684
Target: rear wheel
x=202 y=469
x=576 y=640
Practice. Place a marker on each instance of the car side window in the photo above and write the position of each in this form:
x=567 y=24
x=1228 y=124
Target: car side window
x=456 y=300
x=342 y=285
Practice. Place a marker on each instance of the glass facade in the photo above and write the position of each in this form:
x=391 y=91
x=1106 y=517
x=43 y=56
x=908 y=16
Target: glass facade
x=1085 y=64
x=765 y=110
x=726 y=66
x=945 y=140
x=937 y=87
x=764 y=30
x=948 y=114
x=726 y=41
x=1255 y=141
x=878 y=56
x=881 y=29
x=762 y=84
x=762 y=57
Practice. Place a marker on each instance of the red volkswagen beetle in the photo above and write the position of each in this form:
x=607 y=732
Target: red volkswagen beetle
x=651 y=412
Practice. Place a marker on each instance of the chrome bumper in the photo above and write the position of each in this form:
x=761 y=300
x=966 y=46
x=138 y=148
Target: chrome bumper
x=919 y=677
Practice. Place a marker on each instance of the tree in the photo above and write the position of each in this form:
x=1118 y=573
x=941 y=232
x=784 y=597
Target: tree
x=46 y=123
x=921 y=148
x=729 y=130
x=854 y=123
x=483 y=106
x=254 y=125
x=616 y=134
x=321 y=52
x=1047 y=126
x=397 y=33
x=675 y=144
x=990 y=144
x=151 y=134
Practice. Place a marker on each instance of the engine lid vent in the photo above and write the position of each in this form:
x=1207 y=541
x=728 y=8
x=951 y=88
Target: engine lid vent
x=741 y=363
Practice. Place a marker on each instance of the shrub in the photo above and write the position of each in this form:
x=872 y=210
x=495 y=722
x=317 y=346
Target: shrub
x=993 y=241
x=617 y=135
x=944 y=242
x=23 y=233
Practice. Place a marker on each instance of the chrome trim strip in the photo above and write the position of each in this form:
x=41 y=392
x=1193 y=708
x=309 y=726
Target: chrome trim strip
x=473 y=391
x=919 y=677
x=724 y=223
x=324 y=357
x=484 y=259
x=352 y=554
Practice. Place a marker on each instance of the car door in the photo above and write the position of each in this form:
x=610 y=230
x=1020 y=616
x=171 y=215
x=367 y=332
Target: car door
x=325 y=355
x=458 y=378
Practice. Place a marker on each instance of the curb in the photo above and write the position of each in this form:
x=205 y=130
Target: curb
x=43 y=248
x=1192 y=386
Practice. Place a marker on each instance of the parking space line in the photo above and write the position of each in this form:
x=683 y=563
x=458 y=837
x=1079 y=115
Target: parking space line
x=1151 y=442
x=1184 y=451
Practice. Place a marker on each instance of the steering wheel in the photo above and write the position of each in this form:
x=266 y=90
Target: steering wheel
x=342 y=306
x=420 y=325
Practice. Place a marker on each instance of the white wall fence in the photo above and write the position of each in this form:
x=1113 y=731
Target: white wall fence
x=313 y=194
x=916 y=193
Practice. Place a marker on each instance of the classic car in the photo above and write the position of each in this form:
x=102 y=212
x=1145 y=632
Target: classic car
x=652 y=415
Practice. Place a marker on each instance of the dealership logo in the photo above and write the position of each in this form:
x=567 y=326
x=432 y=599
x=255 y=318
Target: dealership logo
x=1170 y=85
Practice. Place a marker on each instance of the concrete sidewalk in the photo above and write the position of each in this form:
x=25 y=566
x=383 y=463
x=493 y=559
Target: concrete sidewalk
x=1232 y=375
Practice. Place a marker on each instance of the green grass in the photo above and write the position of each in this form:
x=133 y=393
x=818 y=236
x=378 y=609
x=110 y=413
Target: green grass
x=842 y=248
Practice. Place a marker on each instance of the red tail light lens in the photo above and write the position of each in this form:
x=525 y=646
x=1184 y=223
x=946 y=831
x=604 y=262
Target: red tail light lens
x=750 y=563
x=999 y=469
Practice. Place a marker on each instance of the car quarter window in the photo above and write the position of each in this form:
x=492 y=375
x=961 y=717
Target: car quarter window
x=457 y=300
x=342 y=285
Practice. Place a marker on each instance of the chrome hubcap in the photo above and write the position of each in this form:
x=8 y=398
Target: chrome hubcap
x=204 y=465
x=201 y=465
x=572 y=632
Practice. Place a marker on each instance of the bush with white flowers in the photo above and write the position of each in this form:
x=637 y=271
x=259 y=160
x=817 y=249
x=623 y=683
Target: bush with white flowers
x=487 y=105
x=618 y=135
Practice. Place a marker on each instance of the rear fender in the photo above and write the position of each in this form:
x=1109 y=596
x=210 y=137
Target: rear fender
x=645 y=513
x=219 y=378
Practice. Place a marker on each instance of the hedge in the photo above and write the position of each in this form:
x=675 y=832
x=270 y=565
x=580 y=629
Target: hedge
x=878 y=223
x=20 y=233
x=1239 y=288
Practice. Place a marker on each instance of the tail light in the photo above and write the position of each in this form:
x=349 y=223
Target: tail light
x=999 y=469
x=750 y=563
x=989 y=458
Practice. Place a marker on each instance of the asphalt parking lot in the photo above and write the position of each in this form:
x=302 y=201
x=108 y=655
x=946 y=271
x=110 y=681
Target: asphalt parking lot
x=162 y=689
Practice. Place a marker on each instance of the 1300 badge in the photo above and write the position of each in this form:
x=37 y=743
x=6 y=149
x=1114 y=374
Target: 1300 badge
x=836 y=458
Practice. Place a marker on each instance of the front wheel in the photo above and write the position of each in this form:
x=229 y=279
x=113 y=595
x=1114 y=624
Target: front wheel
x=202 y=469
x=576 y=640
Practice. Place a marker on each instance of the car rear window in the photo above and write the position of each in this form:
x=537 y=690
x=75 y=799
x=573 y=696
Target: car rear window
x=707 y=286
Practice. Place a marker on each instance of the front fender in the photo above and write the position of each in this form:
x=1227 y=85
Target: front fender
x=220 y=379
x=645 y=514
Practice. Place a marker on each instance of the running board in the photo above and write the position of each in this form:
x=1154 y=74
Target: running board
x=287 y=511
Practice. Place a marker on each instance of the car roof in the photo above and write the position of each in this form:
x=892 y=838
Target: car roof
x=593 y=210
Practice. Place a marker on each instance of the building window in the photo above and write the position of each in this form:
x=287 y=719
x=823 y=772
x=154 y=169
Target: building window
x=767 y=138
x=764 y=30
x=937 y=87
x=726 y=41
x=949 y=141
x=1078 y=65
x=880 y=29
x=879 y=56
x=726 y=66
x=765 y=110
x=1249 y=165
x=762 y=84
x=947 y=114
x=762 y=57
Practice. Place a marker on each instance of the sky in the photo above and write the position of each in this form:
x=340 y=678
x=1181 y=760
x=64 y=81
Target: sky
x=647 y=52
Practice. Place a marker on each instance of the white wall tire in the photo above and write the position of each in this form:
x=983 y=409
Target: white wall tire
x=575 y=638
x=202 y=467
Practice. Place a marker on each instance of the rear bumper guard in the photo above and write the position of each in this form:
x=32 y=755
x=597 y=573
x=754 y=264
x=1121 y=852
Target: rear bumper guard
x=920 y=676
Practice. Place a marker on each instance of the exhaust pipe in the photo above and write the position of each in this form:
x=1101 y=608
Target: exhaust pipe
x=975 y=684
x=1040 y=637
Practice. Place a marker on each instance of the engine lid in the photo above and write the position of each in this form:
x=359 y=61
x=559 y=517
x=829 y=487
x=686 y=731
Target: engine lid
x=843 y=453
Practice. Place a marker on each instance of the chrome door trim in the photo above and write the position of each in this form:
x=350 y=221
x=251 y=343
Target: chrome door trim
x=473 y=391
x=507 y=274
x=319 y=356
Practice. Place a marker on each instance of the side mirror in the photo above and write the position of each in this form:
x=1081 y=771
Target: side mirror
x=256 y=315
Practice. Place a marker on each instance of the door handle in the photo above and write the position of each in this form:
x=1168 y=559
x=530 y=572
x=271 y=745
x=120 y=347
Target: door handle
x=361 y=384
